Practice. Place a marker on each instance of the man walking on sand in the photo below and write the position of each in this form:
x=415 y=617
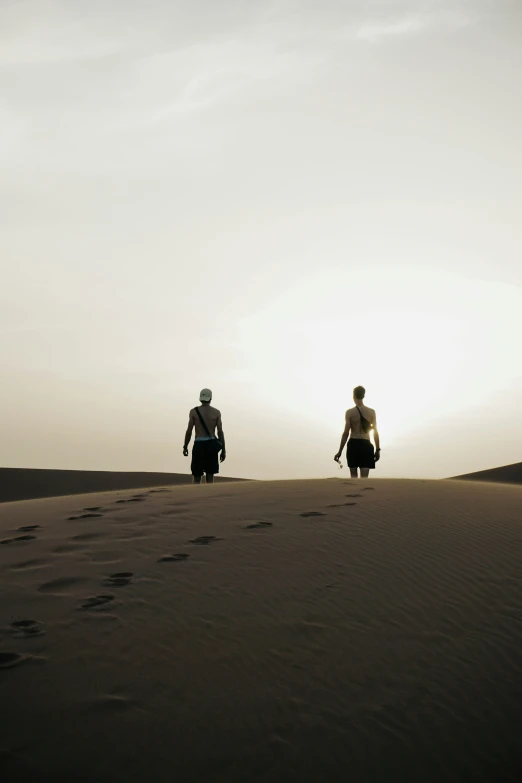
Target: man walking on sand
x=205 y=419
x=360 y=421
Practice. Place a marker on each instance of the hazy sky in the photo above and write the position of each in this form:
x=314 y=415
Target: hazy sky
x=277 y=199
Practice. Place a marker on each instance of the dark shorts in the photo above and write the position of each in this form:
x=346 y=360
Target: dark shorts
x=360 y=453
x=204 y=458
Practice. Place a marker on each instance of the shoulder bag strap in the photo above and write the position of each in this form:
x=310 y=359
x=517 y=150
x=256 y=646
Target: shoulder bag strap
x=363 y=418
x=203 y=423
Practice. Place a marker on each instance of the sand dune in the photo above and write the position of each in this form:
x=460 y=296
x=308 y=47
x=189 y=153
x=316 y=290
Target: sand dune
x=284 y=631
x=507 y=474
x=28 y=483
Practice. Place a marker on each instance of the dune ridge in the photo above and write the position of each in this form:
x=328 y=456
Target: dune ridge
x=281 y=631
x=30 y=483
x=507 y=474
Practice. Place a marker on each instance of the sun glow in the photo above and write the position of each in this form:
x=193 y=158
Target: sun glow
x=316 y=343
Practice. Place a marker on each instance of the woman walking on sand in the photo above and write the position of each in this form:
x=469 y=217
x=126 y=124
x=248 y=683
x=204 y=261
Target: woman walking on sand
x=360 y=421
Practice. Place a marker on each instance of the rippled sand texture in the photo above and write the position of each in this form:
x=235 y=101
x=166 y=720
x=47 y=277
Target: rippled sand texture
x=284 y=631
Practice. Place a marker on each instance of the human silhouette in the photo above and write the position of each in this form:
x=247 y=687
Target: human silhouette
x=360 y=421
x=205 y=420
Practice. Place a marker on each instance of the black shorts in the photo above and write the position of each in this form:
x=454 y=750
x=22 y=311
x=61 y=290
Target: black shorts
x=360 y=453
x=204 y=458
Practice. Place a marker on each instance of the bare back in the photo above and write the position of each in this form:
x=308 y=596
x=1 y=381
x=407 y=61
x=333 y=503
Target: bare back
x=211 y=416
x=353 y=417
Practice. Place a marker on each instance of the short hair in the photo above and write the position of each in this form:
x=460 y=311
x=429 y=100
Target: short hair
x=359 y=392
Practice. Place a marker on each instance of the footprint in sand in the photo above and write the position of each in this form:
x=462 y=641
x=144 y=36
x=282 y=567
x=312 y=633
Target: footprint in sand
x=353 y=495
x=92 y=508
x=340 y=505
x=256 y=525
x=176 y=558
x=28 y=528
x=121 y=579
x=17 y=540
x=30 y=564
x=88 y=536
x=96 y=601
x=85 y=516
x=163 y=489
x=8 y=659
x=367 y=489
x=131 y=500
x=204 y=540
x=63 y=585
x=25 y=629
x=312 y=514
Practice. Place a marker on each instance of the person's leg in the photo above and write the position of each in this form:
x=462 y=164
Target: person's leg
x=210 y=463
x=196 y=467
x=367 y=459
x=353 y=473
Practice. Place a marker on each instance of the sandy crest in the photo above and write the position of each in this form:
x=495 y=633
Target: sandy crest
x=30 y=483
x=324 y=631
x=506 y=474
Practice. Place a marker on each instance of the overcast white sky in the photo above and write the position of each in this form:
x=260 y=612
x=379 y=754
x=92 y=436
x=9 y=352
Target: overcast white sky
x=279 y=200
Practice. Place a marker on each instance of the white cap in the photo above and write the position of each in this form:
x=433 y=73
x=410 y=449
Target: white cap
x=205 y=395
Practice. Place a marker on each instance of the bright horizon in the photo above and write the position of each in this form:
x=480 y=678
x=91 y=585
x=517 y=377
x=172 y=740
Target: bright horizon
x=277 y=200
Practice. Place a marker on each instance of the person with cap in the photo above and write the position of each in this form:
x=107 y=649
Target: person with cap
x=360 y=421
x=205 y=420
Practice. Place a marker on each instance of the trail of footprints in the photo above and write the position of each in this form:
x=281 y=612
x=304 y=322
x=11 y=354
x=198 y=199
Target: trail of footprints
x=28 y=629
x=336 y=505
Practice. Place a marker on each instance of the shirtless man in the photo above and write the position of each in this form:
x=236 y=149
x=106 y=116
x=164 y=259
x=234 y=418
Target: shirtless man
x=204 y=452
x=360 y=452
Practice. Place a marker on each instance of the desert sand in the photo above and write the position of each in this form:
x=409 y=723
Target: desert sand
x=303 y=631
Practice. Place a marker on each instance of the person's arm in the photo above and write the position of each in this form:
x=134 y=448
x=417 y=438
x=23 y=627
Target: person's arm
x=344 y=436
x=376 y=433
x=188 y=434
x=221 y=437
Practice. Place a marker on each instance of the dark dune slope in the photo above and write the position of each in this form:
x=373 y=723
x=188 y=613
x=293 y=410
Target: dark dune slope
x=28 y=483
x=507 y=474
